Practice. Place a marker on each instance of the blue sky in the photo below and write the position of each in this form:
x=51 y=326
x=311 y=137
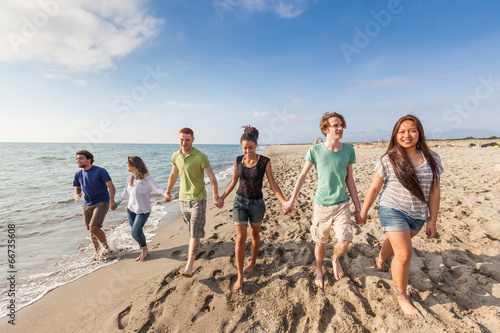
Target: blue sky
x=138 y=71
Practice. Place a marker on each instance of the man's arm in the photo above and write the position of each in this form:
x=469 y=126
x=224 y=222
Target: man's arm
x=77 y=193
x=288 y=206
x=351 y=186
x=371 y=195
x=213 y=183
x=112 y=190
x=434 y=198
x=171 y=181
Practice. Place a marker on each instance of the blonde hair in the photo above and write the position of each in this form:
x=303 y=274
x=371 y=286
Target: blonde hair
x=323 y=124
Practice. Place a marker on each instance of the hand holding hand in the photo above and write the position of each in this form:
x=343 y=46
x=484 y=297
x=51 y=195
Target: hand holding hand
x=431 y=229
x=112 y=204
x=167 y=197
x=219 y=202
x=287 y=207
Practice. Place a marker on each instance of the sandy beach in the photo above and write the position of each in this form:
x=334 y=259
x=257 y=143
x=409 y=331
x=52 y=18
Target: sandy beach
x=454 y=278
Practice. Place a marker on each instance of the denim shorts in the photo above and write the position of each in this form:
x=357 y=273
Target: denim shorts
x=245 y=210
x=395 y=220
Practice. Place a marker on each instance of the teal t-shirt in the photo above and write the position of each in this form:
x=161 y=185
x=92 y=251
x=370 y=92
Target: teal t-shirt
x=332 y=172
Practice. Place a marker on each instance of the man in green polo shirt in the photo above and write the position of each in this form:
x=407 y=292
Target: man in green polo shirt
x=192 y=165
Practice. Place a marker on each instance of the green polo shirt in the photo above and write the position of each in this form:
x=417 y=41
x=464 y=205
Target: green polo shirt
x=332 y=172
x=191 y=167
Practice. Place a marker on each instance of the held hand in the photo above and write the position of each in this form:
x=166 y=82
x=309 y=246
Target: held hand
x=112 y=204
x=221 y=203
x=167 y=197
x=431 y=229
x=358 y=218
x=77 y=196
x=287 y=207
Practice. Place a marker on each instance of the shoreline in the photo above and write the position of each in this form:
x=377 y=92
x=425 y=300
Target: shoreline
x=454 y=279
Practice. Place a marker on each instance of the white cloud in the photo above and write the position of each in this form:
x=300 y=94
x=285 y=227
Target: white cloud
x=257 y=114
x=393 y=81
x=189 y=106
x=297 y=103
x=416 y=106
x=80 y=35
x=55 y=76
x=283 y=8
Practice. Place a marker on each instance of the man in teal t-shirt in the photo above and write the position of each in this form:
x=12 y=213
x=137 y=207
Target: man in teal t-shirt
x=192 y=165
x=333 y=162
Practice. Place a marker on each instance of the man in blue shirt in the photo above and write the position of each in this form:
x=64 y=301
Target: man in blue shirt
x=94 y=182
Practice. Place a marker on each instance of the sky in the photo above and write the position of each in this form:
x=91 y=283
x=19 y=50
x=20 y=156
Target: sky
x=126 y=71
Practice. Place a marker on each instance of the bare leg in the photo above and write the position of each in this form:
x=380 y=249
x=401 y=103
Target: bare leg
x=239 y=250
x=400 y=268
x=255 y=248
x=339 y=249
x=319 y=253
x=194 y=249
x=385 y=253
x=95 y=242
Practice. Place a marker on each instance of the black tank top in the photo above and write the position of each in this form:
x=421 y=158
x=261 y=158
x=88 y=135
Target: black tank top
x=251 y=178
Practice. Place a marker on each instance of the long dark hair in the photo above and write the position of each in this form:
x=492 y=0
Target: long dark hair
x=401 y=163
x=139 y=165
x=250 y=134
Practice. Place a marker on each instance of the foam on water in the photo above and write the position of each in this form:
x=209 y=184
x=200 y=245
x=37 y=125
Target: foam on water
x=52 y=245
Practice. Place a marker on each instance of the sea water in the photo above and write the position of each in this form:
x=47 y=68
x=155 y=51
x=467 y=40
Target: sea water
x=52 y=245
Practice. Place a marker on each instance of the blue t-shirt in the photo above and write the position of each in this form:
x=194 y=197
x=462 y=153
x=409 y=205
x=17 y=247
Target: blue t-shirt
x=331 y=168
x=93 y=183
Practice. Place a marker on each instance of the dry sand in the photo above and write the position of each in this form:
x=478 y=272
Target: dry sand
x=454 y=279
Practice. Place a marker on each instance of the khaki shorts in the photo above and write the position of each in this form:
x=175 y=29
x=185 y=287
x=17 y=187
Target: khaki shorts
x=194 y=215
x=325 y=216
x=94 y=215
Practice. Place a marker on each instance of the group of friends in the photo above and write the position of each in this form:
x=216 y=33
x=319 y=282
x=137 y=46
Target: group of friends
x=407 y=177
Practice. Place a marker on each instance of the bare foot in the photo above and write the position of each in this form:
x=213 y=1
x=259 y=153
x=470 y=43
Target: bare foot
x=144 y=254
x=338 y=272
x=249 y=268
x=408 y=308
x=318 y=281
x=238 y=284
x=187 y=274
x=380 y=265
x=138 y=258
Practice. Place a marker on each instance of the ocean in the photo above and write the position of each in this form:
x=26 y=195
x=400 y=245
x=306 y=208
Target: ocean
x=52 y=245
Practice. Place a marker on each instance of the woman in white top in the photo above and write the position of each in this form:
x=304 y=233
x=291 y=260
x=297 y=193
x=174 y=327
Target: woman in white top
x=407 y=178
x=138 y=191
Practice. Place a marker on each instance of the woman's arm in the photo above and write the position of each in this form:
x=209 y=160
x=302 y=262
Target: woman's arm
x=434 y=199
x=371 y=195
x=153 y=186
x=125 y=194
x=276 y=189
x=232 y=184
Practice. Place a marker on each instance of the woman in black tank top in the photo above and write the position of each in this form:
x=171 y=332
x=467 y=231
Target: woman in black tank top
x=248 y=205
